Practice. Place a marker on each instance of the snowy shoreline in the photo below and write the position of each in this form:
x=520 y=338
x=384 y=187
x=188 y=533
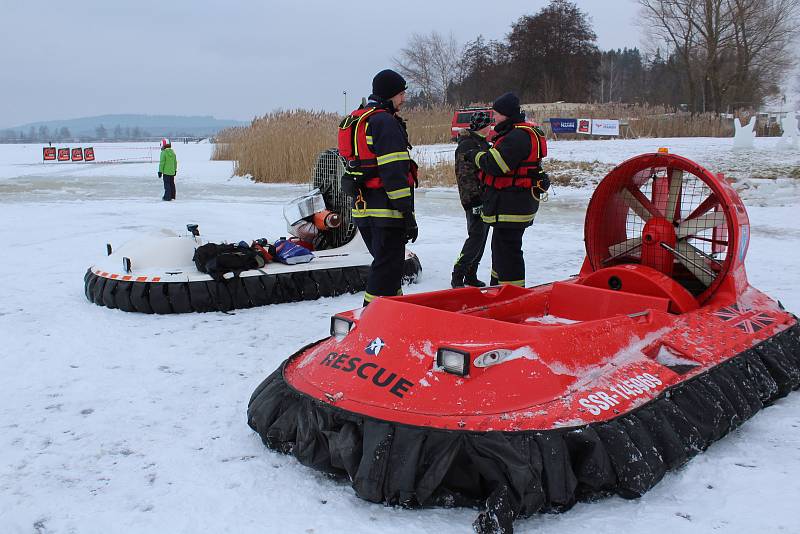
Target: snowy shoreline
x=120 y=422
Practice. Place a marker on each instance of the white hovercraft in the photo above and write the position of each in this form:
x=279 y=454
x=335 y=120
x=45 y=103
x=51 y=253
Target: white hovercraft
x=157 y=274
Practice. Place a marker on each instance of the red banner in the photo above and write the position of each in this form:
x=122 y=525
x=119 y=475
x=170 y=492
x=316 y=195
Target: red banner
x=88 y=154
x=63 y=154
x=49 y=153
x=77 y=154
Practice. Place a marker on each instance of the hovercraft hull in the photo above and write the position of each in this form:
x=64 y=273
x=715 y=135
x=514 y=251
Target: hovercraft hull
x=521 y=400
x=172 y=283
x=511 y=474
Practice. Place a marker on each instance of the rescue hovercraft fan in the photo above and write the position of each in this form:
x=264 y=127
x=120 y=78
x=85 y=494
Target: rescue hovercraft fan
x=525 y=400
x=670 y=214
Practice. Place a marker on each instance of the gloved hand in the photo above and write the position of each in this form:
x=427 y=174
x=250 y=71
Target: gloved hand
x=411 y=226
x=159 y=174
x=542 y=181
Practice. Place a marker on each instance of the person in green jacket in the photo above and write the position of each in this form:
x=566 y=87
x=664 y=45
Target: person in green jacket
x=167 y=169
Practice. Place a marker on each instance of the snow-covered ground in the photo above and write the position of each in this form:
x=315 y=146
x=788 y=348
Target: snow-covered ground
x=764 y=161
x=121 y=422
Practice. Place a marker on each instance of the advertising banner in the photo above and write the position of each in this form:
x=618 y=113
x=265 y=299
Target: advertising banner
x=88 y=154
x=563 y=125
x=584 y=126
x=63 y=154
x=49 y=153
x=605 y=127
x=77 y=154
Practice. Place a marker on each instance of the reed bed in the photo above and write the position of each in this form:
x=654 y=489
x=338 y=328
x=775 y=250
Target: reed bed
x=280 y=147
x=428 y=126
x=283 y=146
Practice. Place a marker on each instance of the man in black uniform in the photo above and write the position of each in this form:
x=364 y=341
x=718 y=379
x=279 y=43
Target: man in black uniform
x=469 y=191
x=384 y=205
x=513 y=180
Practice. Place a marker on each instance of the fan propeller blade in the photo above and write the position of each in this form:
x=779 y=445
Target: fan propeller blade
x=694 y=226
x=694 y=261
x=633 y=203
x=675 y=185
x=620 y=249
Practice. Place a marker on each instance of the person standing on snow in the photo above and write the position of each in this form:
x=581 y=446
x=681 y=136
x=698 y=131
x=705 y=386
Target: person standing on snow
x=167 y=169
x=375 y=142
x=465 y=269
x=511 y=172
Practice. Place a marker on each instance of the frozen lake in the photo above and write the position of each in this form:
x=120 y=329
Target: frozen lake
x=120 y=422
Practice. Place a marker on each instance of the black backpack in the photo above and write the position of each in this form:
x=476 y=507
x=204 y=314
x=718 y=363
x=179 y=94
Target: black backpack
x=217 y=260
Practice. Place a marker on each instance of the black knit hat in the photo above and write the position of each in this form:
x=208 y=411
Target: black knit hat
x=508 y=105
x=479 y=121
x=387 y=83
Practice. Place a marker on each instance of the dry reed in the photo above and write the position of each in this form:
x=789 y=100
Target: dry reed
x=278 y=147
x=428 y=126
x=283 y=146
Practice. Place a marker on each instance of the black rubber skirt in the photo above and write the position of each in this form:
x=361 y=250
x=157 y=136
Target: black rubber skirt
x=235 y=293
x=509 y=475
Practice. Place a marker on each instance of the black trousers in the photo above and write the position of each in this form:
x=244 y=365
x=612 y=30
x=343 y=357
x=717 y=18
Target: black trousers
x=508 y=264
x=472 y=251
x=388 y=249
x=169 y=187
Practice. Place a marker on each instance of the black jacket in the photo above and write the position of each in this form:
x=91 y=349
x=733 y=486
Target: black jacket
x=469 y=185
x=511 y=207
x=385 y=206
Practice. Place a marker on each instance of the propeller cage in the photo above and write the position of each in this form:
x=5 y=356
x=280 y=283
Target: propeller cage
x=668 y=213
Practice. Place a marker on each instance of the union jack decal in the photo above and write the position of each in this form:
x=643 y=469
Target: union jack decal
x=744 y=318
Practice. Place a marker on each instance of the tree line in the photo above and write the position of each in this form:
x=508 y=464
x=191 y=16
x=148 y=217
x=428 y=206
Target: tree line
x=44 y=134
x=700 y=55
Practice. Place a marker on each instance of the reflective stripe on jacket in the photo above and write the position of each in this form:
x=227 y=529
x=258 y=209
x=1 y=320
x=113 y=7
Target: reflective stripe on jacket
x=506 y=172
x=388 y=192
x=514 y=158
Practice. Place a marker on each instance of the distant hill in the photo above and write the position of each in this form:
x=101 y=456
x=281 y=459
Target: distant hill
x=149 y=125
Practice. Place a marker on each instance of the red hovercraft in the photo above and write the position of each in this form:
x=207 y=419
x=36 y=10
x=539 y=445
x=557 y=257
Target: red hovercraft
x=521 y=400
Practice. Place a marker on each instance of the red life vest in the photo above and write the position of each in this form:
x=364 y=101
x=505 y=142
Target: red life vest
x=356 y=149
x=528 y=168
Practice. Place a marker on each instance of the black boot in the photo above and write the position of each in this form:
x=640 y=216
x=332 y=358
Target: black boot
x=458 y=279
x=471 y=278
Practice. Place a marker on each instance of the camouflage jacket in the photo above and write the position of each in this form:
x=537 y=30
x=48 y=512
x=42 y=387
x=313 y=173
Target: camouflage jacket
x=469 y=185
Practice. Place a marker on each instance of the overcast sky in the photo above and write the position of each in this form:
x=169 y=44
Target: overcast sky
x=234 y=59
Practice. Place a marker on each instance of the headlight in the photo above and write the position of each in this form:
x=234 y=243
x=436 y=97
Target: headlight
x=340 y=327
x=453 y=361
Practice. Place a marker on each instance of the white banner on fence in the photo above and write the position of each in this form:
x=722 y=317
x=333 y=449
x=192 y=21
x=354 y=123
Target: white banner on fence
x=605 y=127
x=584 y=126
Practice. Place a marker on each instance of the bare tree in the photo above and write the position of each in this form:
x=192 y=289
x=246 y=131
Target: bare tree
x=669 y=23
x=732 y=51
x=446 y=60
x=431 y=64
x=713 y=22
x=764 y=32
